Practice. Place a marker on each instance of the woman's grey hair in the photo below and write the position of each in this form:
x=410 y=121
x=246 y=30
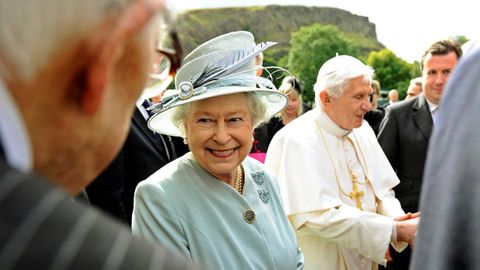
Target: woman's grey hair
x=336 y=73
x=256 y=107
x=32 y=32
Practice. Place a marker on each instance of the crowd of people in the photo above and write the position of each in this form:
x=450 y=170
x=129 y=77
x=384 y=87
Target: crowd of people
x=225 y=171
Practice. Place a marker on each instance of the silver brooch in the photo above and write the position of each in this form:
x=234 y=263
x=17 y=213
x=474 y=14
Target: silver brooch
x=186 y=90
x=264 y=195
x=258 y=177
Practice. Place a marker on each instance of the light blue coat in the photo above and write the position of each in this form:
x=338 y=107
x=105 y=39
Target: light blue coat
x=186 y=209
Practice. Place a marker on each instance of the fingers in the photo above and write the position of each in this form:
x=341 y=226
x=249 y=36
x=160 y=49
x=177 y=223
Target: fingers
x=388 y=257
x=407 y=216
x=404 y=217
x=415 y=215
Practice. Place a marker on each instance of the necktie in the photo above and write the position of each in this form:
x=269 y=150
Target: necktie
x=146 y=104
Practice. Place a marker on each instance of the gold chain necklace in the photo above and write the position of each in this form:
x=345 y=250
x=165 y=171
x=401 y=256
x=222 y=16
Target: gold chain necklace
x=239 y=179
x=355 y=194
x=364 y=170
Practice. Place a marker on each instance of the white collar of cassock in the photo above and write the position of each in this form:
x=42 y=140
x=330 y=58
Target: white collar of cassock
x=329 y=126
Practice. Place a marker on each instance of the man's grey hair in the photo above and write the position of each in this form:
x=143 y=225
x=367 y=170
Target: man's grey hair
x=336 y=73
x=416 y=81
x=32 y=32
x=256 y=107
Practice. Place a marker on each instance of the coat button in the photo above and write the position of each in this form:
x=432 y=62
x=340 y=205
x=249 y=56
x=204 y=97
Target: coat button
x=249 y=216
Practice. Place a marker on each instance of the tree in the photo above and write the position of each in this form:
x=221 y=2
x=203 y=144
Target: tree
x=312 y=46
x=391 y=71
x=461 y=39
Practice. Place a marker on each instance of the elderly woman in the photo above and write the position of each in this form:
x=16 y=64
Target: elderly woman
x=215 y=205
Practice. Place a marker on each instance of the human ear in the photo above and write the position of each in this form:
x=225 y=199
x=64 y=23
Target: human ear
x=324 y=98
x=97 y=75
x=105 y=47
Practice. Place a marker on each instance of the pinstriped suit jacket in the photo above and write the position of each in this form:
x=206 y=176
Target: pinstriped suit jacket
x=41 y=228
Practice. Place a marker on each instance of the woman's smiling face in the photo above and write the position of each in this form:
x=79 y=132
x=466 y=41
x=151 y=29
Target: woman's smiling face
x=220 y=133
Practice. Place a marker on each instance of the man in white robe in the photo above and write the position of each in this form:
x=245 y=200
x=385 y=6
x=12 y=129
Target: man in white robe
x=334 y=178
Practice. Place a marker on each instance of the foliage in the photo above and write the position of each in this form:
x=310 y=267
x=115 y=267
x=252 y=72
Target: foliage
x=276 y=23
x=461 y=39
x=272 y=23
x=391 y=71
x=310 y=48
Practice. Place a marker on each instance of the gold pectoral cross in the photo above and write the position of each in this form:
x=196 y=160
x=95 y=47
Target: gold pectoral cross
x=355 y=194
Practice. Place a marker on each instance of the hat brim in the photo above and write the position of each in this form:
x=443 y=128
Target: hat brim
x=157 y=89
x=162 y=122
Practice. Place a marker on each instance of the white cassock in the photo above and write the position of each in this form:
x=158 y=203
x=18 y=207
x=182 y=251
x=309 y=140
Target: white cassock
x=313 y=160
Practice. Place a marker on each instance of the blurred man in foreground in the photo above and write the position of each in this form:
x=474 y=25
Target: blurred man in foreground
x=70 y=72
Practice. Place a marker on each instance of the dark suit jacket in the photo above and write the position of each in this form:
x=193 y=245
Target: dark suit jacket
x=41 y=228
x=374 y=118
x=142 y=155
x=404 y=135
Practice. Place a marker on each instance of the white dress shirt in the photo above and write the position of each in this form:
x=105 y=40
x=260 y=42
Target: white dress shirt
x=13 y=133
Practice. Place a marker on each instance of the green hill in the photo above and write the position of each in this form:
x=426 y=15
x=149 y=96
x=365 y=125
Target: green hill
x=272 y=23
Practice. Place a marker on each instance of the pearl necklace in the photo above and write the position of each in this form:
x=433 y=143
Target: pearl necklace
x=239 y=179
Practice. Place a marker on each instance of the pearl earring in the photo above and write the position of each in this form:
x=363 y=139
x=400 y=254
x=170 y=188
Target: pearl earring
x=185 y=140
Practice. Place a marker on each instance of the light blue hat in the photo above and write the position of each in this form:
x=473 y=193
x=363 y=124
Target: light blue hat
x=221 y=66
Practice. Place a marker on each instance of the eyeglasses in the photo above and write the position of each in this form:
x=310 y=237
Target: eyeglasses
x=167 y=61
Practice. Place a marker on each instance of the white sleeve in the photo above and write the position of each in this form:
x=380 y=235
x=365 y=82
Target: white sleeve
x=367 y=233
x=389 y=206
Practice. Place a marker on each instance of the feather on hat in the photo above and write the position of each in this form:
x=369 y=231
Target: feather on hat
x=221 y=66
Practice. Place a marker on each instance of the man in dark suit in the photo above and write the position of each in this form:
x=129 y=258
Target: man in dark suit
x=67 y=91
x=143 y=153
x=449 y=233
x=405 y=130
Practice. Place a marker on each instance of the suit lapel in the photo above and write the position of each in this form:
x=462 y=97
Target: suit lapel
x=422 y=117
x=141 y=123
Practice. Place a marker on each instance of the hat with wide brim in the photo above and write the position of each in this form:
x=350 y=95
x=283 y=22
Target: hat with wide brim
x=222 y=66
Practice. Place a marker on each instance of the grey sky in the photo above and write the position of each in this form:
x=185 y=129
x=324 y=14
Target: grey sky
x=406 y=27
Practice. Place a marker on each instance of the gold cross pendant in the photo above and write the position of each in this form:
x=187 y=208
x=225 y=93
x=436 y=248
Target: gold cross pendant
x=356 y=195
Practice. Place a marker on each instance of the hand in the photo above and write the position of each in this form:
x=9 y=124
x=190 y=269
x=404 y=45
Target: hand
x=388 y=257
x=407 y=228
x=407 y=216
